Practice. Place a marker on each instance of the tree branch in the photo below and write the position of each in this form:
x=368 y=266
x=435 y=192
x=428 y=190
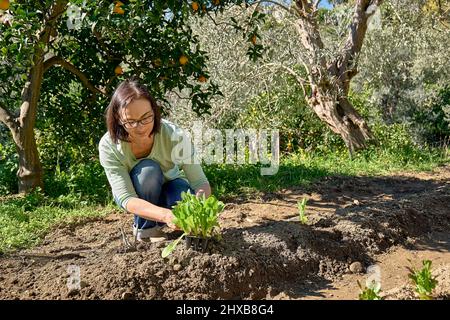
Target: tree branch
x=32 y=89
x=316 y=4
x=109 y=55
x=292 y=72
x=7 y=118
x=55 y=60
x=282 y=6
x=356 y=35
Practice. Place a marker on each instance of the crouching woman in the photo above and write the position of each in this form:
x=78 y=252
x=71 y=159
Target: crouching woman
x=137 y=156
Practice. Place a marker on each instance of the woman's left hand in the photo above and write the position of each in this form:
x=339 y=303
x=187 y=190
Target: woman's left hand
x=203 y=189
x=199 y=193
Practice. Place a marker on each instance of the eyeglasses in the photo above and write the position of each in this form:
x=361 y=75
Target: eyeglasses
x=134 y=124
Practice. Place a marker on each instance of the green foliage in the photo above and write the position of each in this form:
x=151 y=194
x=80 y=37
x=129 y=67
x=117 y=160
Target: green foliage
x=285 y=108
x=197 y=217
x=434 y=117
x=25 y=220
x=301 y=206
x=423 y=280
x=304 y=167
x=407 y=85
x=8 y=168
x=370 y=292
x=85 y=182
x=171 y=246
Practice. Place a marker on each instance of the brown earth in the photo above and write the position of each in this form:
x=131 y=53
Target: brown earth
x=265 y=252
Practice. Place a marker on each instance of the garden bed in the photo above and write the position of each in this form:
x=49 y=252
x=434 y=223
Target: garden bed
x=265 y=252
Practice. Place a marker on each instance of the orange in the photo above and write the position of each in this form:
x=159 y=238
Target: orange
x=202 y=78
x=117 y=7
x=194 y=6
x=183 y=60
x=118 y=10
x=254 y=39
x=118 y=70
x=4 y=4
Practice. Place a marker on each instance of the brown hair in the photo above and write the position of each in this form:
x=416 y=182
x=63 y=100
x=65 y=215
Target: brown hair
x=126 y=92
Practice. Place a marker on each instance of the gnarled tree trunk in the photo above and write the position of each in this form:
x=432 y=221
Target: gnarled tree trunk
x=330 y=80
x=341 y=117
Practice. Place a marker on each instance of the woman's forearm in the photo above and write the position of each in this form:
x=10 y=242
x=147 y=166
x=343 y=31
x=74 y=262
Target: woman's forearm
x=148 y=210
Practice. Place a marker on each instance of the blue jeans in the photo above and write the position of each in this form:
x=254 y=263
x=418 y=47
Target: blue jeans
x=148 y=182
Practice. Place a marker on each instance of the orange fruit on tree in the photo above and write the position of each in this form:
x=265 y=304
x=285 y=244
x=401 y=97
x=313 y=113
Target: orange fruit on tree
x=183 y=60
x=202 y=78
x=118 y=7
x=254 y=39
x=194 y=6
x=118 y=70
x=118 y=10
x=4 y=4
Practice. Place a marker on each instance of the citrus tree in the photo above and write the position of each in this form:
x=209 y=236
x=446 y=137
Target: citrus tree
x=97 y=43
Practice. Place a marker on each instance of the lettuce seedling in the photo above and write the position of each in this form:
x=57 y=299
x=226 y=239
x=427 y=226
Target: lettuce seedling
x=197 y=217
x=423 y=280
x=370 y=292
x=301 y=205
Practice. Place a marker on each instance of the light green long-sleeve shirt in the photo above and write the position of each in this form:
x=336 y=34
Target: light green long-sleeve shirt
x=118 y=160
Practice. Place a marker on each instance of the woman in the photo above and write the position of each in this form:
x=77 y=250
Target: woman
x=137 y=156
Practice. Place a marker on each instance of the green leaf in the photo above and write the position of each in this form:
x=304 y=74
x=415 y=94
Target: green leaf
x=169 y=249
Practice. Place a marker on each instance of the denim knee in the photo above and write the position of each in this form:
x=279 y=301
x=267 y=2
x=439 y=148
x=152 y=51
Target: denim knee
x=171 y=192
x=147 y=178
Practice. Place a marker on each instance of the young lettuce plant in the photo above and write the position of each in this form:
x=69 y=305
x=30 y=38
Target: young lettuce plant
x=301 y=205
x=197 y=217
x=423 y=280
x=370 y=292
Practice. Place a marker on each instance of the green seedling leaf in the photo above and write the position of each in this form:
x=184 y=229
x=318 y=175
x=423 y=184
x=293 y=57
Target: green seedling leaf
x=168 y=250
x=196 y=217
x=423 y=280
x=301 y=205
x=371 y=292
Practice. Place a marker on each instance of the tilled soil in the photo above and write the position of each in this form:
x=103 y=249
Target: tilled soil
x=265 y=252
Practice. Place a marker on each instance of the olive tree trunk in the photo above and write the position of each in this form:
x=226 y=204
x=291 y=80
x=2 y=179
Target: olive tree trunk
x=329 y=79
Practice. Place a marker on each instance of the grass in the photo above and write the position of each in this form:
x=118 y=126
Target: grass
x=24 y=220
x=302 y=168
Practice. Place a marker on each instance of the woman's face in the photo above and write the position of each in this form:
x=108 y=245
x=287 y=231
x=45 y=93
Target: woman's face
x=137 y=118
